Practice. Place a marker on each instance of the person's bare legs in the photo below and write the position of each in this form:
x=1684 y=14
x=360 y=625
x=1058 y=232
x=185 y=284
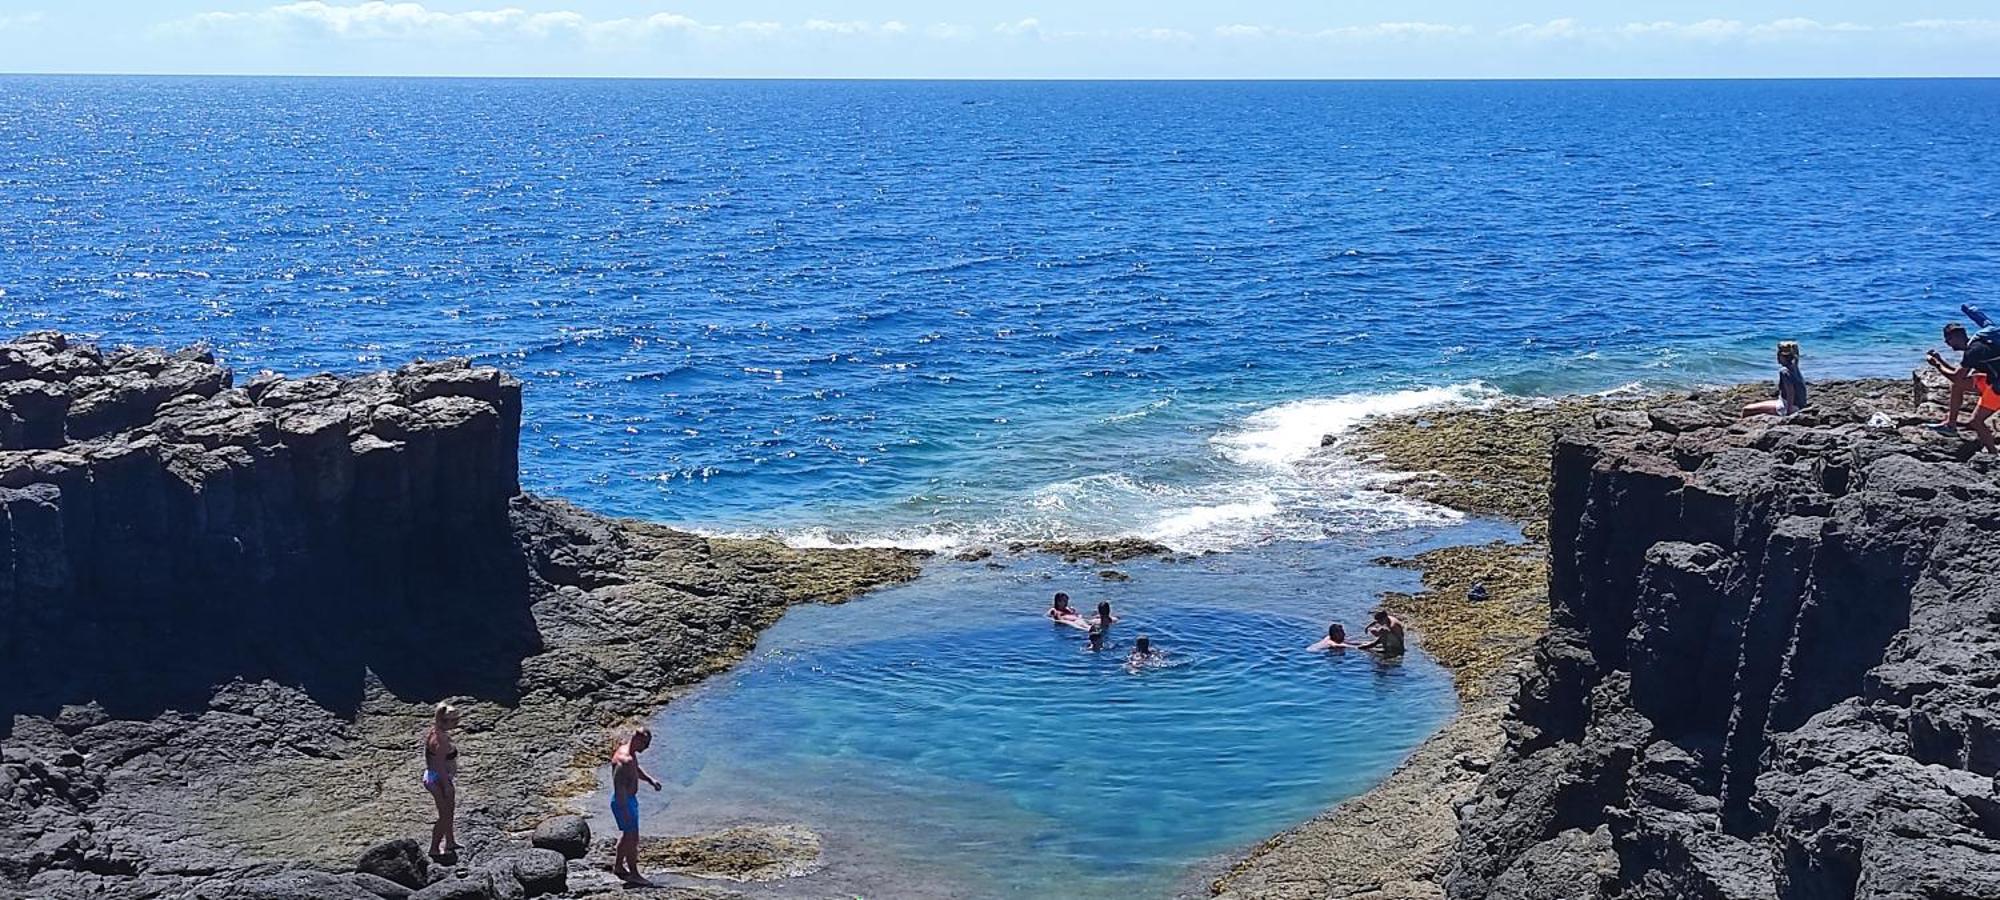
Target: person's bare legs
x=440 y=829
x=1957 y=397
x=448 y=813
x=1762 y=408
x=1982 y=430
x=626 y=862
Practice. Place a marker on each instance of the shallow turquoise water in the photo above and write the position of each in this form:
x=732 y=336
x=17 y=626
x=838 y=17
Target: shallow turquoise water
x=948 y=741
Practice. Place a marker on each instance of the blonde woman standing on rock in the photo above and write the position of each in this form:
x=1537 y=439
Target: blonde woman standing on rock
x=441 y=777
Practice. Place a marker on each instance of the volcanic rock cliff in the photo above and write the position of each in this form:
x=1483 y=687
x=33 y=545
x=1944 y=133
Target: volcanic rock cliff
x=225 y=611
x=162 y=531
x=1773 y=668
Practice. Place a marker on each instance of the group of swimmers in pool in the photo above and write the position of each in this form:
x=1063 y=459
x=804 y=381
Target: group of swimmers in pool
x=1098 y=628
x=441 y=781
x=1385 y=633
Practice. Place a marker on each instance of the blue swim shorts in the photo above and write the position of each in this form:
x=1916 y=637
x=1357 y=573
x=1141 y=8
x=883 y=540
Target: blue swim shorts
x=625 y=810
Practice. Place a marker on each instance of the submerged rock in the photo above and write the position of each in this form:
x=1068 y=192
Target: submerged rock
x=748 y=853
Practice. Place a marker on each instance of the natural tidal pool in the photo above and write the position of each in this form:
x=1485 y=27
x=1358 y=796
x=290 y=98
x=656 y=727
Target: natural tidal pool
x=948 y=741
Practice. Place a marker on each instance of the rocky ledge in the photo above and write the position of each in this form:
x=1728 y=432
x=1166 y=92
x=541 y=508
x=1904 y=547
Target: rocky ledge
x=228 y=609
x=1772 y=668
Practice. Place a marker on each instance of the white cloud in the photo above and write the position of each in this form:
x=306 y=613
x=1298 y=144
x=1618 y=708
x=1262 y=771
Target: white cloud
x=1554 y=29
x=1171 y=35
x=1973 y=28
x=1245 y=31
x=19 y=20
x=385 y=20
x=1022 y=27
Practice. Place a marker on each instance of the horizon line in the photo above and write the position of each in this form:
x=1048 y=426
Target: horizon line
x=1013 y=78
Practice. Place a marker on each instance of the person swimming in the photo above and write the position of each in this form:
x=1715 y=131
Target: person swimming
x=1104 y=616
x=1336 y=639
x=1096 y=638
x=1385 y=635
x=1061 y=613
x=1142 y=651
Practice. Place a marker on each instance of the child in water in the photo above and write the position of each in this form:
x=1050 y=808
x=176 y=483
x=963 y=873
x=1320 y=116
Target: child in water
x=1096 y=638
x=1336 y=639
x=1104 y=616
x=1142 y=650
x=1061 y=613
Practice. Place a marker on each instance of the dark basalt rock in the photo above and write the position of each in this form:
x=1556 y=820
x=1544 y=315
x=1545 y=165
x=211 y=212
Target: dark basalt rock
x=149 y=508
x=567 y=835
x=1773 y=669
x=401 y=861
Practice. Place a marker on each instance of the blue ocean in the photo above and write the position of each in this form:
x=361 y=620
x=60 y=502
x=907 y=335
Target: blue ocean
x=952 y=314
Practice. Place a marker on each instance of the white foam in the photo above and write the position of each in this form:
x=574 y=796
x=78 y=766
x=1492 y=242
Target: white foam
x=1266 y=480
x=1289 y=432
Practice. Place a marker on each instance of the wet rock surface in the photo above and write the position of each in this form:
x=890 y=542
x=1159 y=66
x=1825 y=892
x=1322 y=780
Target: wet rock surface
x=231 y=607
x=1772 y=670
x=743 y=853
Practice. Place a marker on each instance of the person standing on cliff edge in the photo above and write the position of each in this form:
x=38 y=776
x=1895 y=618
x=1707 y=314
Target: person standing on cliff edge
x=626 y=773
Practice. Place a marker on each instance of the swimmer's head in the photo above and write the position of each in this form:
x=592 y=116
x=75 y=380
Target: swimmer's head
x=1062 y=600
x=1143 y=645
x=1096 y=637
x=1104 y=611
x=1336 y=634
x=642 y=737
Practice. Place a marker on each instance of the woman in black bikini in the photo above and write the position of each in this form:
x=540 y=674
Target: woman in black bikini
x=441 y=777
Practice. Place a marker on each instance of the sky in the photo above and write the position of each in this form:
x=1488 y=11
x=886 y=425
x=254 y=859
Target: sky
x=1007 y=38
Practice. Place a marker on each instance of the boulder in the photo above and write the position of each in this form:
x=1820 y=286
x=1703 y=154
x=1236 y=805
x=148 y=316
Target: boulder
x=567 y=835
x=539 y=871
x=381 y=887
x=475 y=885
x=401 y=861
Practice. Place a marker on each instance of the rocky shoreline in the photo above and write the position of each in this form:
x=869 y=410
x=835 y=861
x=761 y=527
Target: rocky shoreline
x=286 y=574
x=1599 y=761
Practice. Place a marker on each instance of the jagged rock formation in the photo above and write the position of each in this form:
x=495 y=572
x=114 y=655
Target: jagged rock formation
x=1773 y=668
x=300 y=530
x=224 y=612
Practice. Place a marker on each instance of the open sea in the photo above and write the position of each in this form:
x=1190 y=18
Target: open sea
x=948 y=314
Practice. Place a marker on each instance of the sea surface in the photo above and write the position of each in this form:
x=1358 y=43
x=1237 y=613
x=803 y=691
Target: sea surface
x=953 y=314
x=939 y=313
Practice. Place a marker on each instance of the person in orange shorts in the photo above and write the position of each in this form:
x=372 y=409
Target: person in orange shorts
x=1978 y=370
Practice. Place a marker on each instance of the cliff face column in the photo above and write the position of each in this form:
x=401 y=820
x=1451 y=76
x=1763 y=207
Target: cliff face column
x=1773 y=670
x=163 y=530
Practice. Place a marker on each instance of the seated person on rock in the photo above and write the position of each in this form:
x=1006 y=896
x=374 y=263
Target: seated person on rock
x=1978 y=370
x=1385 y=635
x=1336 y=639
x=1791 y=386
